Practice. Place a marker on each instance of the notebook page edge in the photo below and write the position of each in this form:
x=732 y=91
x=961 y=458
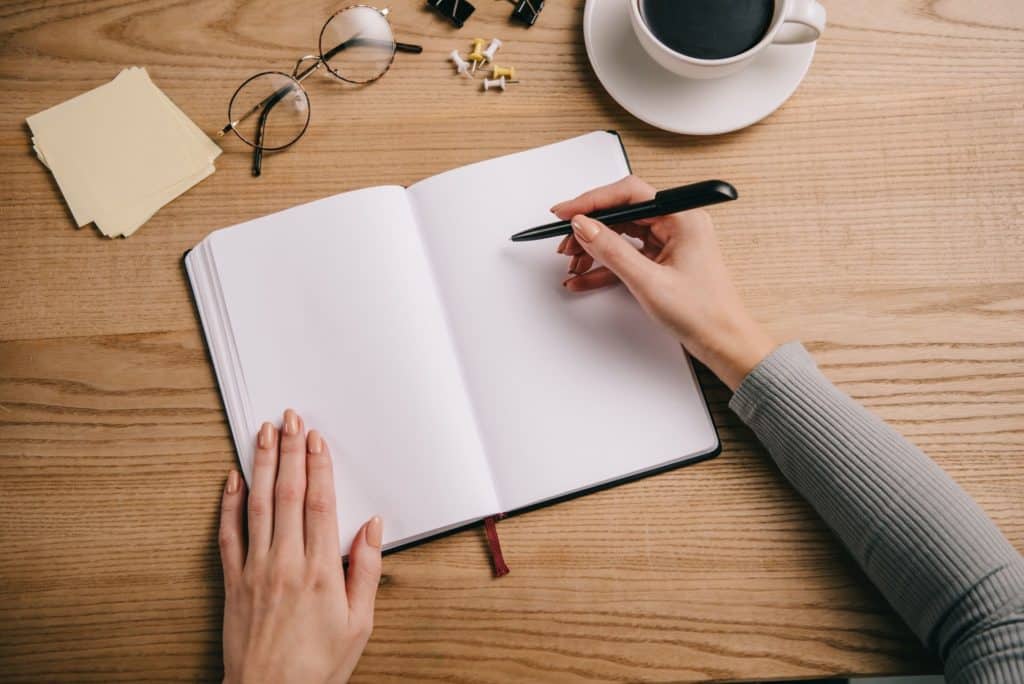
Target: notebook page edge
x=199 y=274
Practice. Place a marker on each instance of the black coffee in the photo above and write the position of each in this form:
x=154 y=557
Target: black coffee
x=708 y=29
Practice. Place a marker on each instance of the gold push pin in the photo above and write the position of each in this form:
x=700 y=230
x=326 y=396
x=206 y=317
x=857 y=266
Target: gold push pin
x=501 y=72
x=476 y=56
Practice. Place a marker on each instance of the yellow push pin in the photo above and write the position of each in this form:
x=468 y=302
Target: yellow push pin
x=476 y=55
x=498 y=72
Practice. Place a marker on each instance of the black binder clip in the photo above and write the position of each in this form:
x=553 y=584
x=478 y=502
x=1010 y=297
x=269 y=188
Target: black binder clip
x=527 y=11
x=455 y=11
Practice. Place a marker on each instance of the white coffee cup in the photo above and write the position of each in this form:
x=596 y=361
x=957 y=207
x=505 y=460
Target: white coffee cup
x=793 y=21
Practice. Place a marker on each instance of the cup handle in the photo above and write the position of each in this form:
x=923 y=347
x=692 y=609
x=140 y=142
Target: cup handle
x=804 y=23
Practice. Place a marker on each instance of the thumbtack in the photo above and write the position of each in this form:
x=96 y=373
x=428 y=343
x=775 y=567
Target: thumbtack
x=491 y=49
x=496 y=83
x=461 y=65
x=476 y=56
x=501 y=72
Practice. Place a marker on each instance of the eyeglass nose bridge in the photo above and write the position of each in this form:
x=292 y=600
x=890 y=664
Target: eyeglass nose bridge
x=305 y=71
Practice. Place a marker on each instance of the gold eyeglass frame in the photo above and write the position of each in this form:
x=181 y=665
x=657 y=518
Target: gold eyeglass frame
x=294 y=82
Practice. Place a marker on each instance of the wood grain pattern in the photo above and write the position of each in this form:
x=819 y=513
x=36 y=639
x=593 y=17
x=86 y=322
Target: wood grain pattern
x=881 y=223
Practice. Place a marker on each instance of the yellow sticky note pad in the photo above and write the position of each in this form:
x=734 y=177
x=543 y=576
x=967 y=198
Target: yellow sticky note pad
x=121 y=151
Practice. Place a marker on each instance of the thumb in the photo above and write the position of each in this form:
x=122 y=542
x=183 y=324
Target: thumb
x=364 y=566
x=611 y=249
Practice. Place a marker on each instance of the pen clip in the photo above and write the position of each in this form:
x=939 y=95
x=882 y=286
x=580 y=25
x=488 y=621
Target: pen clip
x=696 y=195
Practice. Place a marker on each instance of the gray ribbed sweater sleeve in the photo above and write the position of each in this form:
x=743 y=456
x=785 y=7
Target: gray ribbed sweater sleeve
x=937 y=558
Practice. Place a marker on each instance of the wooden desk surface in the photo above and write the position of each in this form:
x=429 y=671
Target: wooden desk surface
x=881 y=223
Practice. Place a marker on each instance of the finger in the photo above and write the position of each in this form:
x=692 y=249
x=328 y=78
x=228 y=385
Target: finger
x=580 y=264
x=261 y=497
x=364 y=565
x=679 y=225
x=636 y=230
x=230 y=537
x=572 y=247
x=628 y=190
x=651 y=250
x=613 y=250
x=321 y=508
x=664 y=230
x=591 y=280
x=290 y=492
x=563 y=243
x=631 y=229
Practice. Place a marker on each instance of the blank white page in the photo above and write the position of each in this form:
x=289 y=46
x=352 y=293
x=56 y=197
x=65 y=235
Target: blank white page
x=570 y=391
x=334 y=313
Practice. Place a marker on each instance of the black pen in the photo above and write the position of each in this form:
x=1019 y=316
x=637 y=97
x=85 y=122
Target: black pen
x=665 y=202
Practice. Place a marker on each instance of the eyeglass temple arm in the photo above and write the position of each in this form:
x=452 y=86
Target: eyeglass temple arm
x=264 y=104
x=257 y=150
x=358 y=40
x=261 y=124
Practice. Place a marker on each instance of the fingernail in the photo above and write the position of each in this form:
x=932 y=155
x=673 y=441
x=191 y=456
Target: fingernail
x=584 y=228
x=375 y=532
x=554 y=209
x=266 y=434
x=233 y=483
x=574 y=264
x=565 y=283
x=291 y=422
x=562 y=244
x=315 y=443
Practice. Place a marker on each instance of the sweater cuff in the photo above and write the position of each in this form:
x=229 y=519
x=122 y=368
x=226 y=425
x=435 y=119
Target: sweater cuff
x=789 y=364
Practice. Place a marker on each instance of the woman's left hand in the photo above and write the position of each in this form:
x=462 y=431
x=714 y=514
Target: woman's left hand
x=290 y=615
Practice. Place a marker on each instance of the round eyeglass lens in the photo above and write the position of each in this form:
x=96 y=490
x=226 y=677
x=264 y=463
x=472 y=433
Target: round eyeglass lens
x=357 y=45
x=271 y=110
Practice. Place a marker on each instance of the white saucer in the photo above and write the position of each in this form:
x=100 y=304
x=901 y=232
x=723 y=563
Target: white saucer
x=682 y=105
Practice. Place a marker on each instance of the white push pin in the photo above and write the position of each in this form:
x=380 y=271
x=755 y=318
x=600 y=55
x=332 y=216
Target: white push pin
x=491 y=49
x=496 y=83
x=461 y=65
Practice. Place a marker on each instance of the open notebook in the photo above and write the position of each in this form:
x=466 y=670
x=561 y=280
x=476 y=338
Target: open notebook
x=452 y=375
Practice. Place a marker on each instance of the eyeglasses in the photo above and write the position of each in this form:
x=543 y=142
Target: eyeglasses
x=356 y=45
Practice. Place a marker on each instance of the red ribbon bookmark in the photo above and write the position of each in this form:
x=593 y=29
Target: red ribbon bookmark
x=494 y=546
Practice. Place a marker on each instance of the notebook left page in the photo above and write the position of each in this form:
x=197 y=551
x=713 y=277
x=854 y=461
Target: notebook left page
x=330 y=308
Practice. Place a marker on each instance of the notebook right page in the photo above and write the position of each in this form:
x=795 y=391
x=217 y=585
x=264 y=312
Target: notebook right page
x=569 y=391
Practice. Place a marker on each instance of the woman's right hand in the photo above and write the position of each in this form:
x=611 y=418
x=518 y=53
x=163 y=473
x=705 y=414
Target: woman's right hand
x=677 y=276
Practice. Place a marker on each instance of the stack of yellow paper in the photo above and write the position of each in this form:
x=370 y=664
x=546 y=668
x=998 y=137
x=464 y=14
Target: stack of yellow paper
x=121 y=151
